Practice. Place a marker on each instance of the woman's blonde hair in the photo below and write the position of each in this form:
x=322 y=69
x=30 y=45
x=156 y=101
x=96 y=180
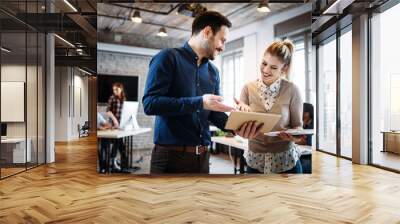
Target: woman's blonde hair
x=283 y=49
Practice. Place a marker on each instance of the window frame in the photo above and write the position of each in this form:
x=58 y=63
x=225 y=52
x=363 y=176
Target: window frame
x=378 y=10
x=333 y=37
x=233 y=53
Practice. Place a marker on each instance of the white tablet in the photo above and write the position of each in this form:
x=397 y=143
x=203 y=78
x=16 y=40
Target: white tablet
x=237 y=118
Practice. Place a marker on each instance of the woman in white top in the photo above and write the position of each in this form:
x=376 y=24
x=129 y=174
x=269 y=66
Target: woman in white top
x=272 y=93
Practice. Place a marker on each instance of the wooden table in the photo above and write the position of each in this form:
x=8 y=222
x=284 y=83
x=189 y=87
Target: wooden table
x=112 y=137
x=391 y=141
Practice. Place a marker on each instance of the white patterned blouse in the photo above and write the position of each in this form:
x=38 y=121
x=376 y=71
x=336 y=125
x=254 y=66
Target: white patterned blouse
x=271 y=162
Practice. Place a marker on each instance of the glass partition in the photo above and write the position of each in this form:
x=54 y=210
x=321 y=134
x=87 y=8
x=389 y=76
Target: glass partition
x=385 y=89
x=327 y=96
x=346 y=93
x=22 y=64
x=15 y=151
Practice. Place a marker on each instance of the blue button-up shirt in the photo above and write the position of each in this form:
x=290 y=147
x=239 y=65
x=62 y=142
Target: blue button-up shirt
x=174 y=88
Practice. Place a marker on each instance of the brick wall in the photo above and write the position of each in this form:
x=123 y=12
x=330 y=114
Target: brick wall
x=111 y=63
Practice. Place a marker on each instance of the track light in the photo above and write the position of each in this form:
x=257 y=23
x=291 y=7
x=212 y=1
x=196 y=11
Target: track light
x=86 y=72
x=162 y=32
x=5 y=50
x=136 y=17
x=65 y=41
x=338 y=6
x=70 y=5
x=263 y=7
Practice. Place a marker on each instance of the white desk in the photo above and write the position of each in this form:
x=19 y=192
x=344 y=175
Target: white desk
x=213 y=128
x=243 y=145
x=237 y=145
x=116 y=133
x=17 y=146
x=233 y=142
x=115 y=137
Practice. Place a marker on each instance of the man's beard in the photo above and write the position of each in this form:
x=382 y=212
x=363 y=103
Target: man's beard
x=207 y=46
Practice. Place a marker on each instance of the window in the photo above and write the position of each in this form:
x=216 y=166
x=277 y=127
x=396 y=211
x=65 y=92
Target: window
x=301 y=68
x=385 y=87
x=394 y=101
x=327 y=96
x=298 y=73
x=232 y=76
x=346 y=93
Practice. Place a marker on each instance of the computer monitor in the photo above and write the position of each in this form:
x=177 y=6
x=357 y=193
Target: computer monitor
x=128 y=116
x=3 y=130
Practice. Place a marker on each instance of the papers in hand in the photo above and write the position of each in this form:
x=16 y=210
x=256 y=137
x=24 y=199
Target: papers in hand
x=292 y=132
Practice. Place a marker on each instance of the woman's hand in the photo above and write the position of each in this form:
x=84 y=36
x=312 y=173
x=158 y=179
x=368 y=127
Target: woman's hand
x=116 y=124
x=242 y=106
x=286 y=137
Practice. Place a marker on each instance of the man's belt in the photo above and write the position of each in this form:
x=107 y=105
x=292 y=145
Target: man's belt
x=193 y=149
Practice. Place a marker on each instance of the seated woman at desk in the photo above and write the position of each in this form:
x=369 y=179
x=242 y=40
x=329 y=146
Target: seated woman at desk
x=272 y=93
x=106 y=121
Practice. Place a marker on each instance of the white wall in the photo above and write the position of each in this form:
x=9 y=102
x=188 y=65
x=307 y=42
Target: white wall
x=80 y=83
x=11 y=73
x=70 y=83
x=33 y=127
x=61 y=104
x=257 y=35
x=17 y=73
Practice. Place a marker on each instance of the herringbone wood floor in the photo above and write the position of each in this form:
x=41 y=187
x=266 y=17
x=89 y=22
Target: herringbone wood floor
x=70 y=191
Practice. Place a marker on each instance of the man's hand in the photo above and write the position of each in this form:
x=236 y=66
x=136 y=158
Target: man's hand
x=213 y=102
x=241 y=106
x=249 y=130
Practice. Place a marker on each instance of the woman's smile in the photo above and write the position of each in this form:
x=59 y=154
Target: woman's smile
x=266 y=75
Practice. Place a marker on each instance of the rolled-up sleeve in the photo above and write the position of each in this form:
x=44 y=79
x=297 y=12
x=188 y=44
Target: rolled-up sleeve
x=159 y=79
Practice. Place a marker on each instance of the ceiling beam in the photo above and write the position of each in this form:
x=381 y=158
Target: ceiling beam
x=145 y=22
x=205 y=1
x=82 y=61
x=146 y=10
x=138 y=40
x=84 y=24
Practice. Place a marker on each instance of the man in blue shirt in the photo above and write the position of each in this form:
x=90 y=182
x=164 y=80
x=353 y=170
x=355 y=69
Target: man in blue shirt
x=182 y=90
